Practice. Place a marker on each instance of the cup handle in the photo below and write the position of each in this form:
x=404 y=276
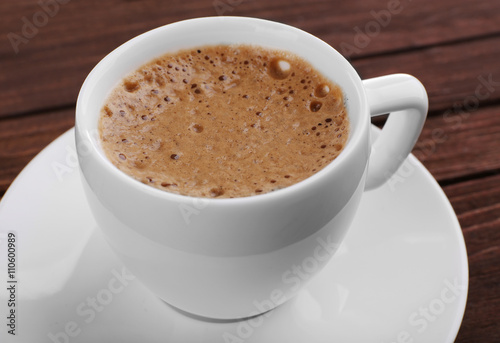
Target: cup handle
x=405 y=99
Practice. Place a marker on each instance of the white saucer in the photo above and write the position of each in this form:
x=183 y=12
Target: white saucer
x=401 y=274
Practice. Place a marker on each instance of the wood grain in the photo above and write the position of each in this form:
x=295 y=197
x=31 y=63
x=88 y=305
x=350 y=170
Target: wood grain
x=480 y=322
x=458 y=77
x=477 y=205
x=453 y=47
x=22 y=138
x=457 y=145
x=49 y=68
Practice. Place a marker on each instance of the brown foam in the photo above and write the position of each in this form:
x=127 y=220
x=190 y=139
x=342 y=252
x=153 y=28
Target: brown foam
x=224 y=121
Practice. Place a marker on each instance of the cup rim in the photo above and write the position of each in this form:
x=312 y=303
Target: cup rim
x=85 y=133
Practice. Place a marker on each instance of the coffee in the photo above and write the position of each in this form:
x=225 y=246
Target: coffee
x=224 y=121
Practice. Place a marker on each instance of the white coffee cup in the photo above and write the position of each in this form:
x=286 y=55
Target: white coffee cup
x=235 y=258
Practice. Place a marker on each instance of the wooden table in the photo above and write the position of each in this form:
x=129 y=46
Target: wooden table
x=47 y=48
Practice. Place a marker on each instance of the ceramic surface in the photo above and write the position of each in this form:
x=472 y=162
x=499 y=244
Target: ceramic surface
x=400 y=274
x=217 y=257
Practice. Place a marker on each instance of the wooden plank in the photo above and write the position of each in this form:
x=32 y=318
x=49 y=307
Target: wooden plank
x=449 y=84
x=51 y=65
x=22 y=138
x=480 y=322
x=49 y=69
x=471 y=196
x=477 y=204
x=389 y=25
x=462 y=144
